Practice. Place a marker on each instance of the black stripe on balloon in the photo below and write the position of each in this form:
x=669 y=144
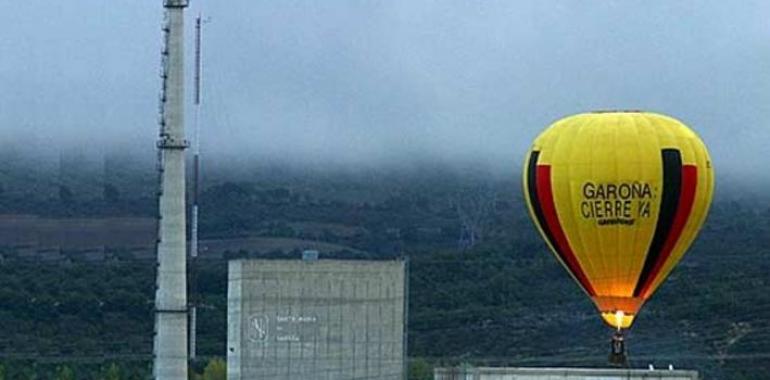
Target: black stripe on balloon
x=672 y=188
x=535 y=202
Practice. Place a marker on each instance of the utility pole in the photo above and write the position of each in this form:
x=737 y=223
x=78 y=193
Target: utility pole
x=170 y=340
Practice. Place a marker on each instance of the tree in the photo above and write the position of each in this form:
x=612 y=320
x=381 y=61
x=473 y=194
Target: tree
x=29 y=372
x=65 y=373
x=215 y=370
x=420 y=369
x=112 y=372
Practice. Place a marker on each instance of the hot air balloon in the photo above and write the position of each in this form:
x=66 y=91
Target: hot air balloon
x=618 y=197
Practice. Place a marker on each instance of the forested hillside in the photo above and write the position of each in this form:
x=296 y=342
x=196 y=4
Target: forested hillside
x=483 y=288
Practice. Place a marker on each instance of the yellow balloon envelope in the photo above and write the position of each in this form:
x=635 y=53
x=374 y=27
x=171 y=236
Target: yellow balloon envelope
x=618 y=197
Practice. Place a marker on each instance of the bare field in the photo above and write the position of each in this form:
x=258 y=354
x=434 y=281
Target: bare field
x=76 y=233
x=33 y=235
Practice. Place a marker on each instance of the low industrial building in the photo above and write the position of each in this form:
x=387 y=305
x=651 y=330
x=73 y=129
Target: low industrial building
x=518 y=373
x=316 y=319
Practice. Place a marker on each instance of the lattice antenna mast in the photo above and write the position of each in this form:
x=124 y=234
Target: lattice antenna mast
x=196 y=187
x=170 y=340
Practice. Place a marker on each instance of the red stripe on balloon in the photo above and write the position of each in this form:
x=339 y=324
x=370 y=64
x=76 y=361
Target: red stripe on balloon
x=686 y=201
x=545 y=197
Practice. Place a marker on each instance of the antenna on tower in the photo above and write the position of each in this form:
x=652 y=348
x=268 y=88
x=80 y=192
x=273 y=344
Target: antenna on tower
x=195 y=191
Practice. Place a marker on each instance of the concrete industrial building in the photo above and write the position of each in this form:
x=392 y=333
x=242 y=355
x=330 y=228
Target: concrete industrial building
x=316 y=319
x=515 y=373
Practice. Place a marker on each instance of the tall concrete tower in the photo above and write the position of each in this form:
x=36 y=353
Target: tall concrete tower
x=170 y=341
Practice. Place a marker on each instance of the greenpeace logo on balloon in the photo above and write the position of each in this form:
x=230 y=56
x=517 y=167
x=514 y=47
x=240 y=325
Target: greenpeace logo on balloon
x=616 y=203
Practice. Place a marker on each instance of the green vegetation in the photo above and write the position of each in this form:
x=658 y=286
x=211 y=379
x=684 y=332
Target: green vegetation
x=420 y=369
x=216 y=369
x=497 y=299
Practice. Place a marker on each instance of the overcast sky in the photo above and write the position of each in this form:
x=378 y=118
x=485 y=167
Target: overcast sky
x=388 y=81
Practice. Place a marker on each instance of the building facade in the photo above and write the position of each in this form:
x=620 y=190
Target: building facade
x=316 y=319
x=517 y=373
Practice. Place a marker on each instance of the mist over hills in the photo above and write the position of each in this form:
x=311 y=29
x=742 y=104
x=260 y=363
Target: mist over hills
x=133 y=173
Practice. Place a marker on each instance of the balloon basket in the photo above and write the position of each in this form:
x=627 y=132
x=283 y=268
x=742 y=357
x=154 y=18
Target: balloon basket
x=618 y=356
